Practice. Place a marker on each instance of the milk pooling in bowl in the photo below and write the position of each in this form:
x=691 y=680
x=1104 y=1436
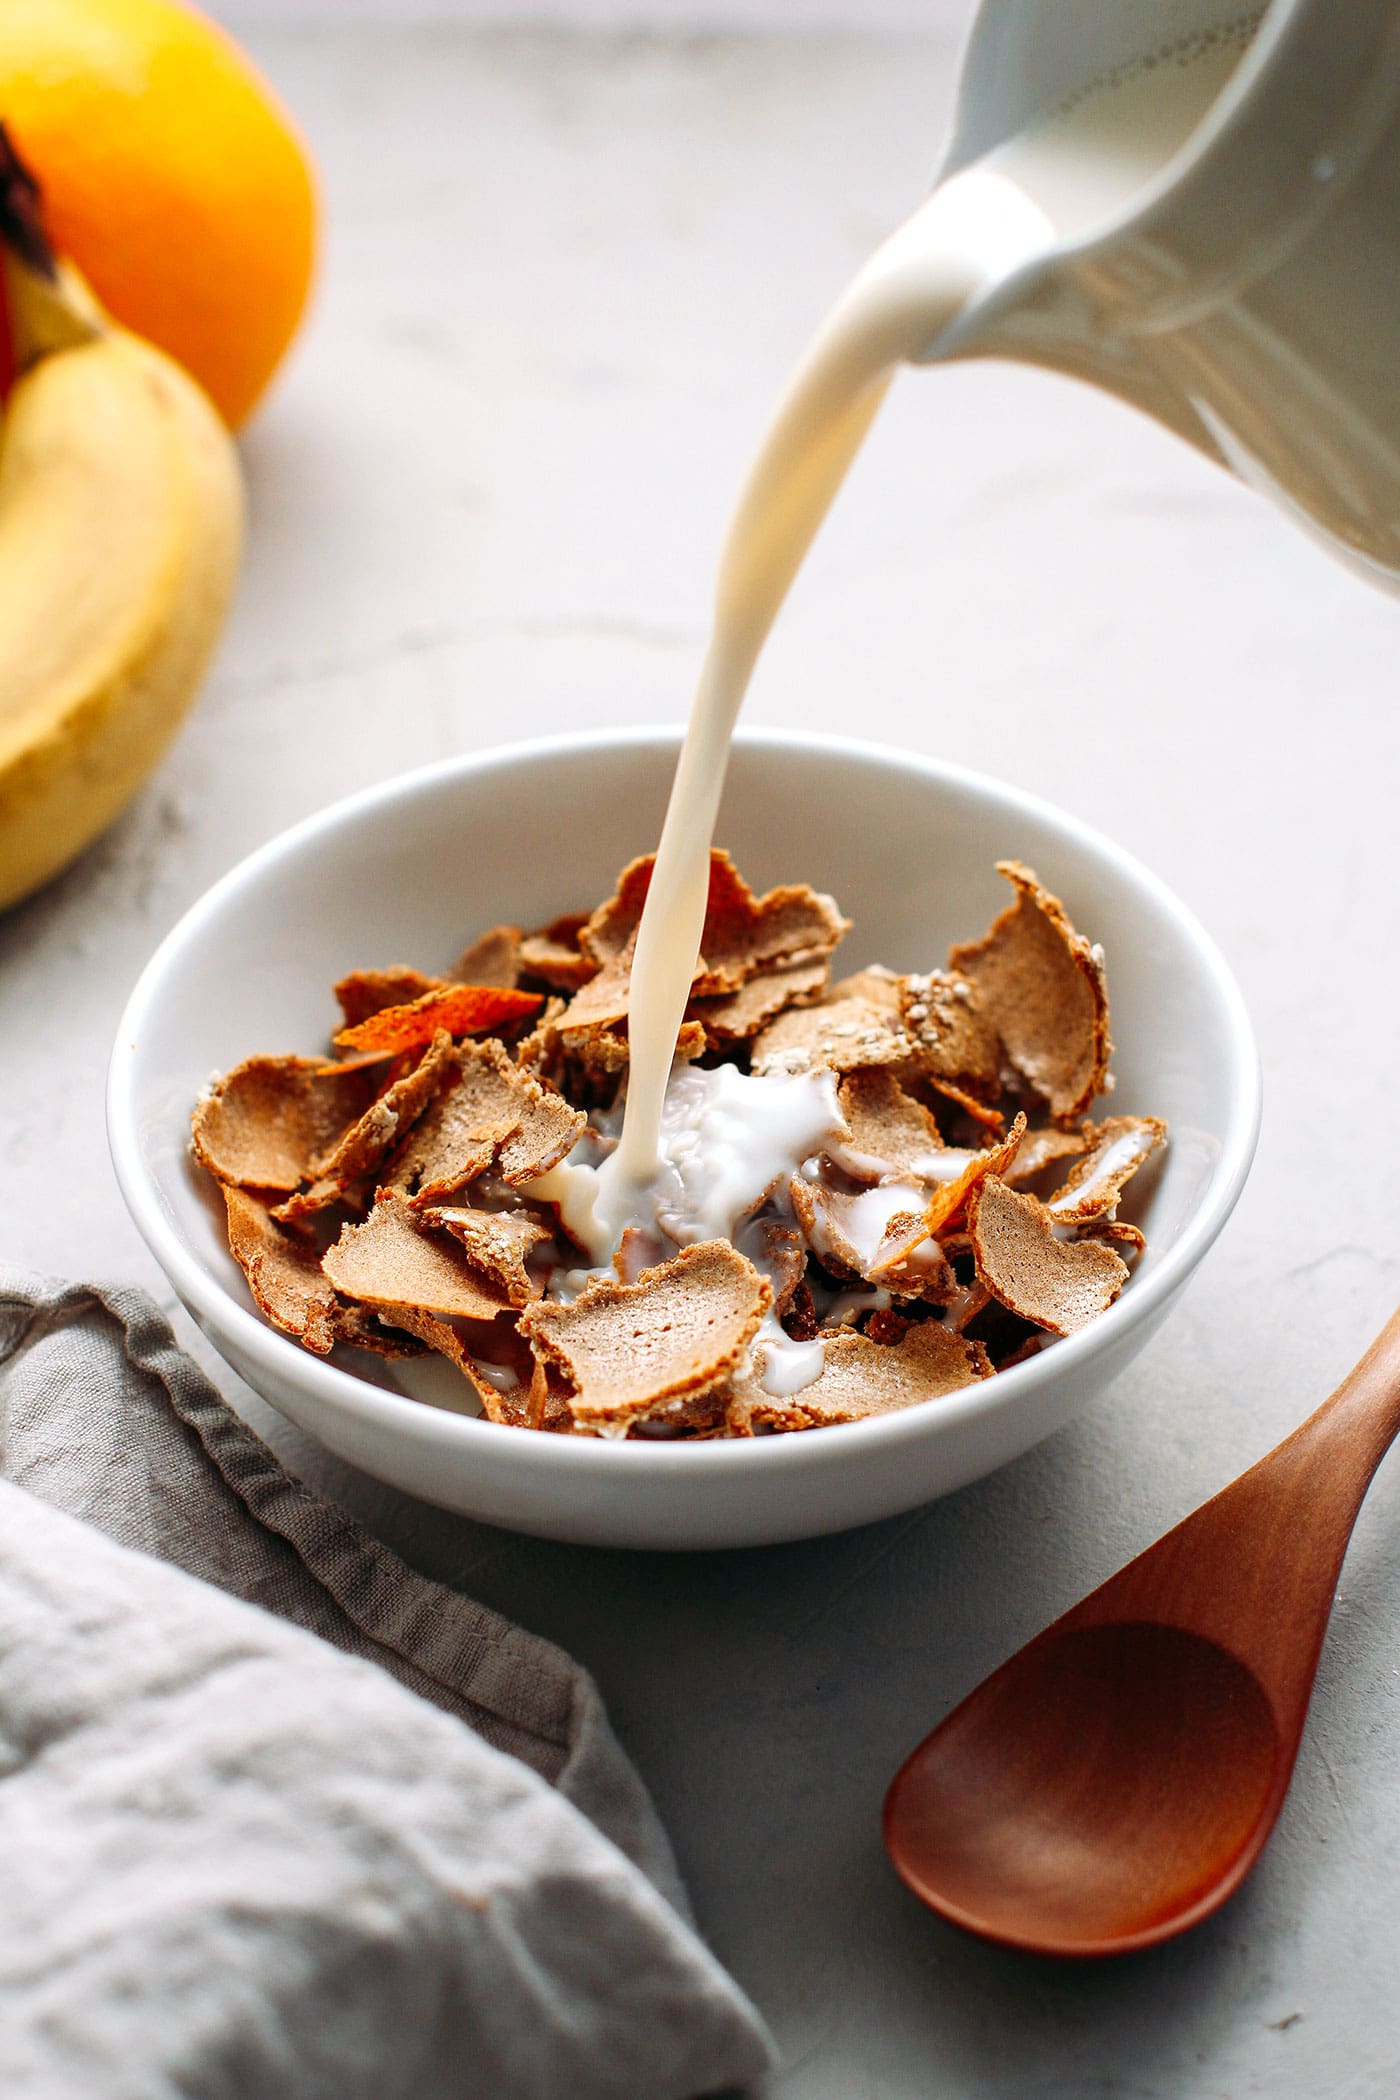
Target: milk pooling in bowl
x=1079 y=168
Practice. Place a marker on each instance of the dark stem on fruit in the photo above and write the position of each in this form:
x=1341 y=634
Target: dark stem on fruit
x=21 y=220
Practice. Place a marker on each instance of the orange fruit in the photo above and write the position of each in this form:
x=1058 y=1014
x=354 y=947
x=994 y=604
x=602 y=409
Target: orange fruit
x=170 y=174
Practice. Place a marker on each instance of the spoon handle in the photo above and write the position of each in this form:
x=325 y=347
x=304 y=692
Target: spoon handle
x=1362 y=1416
x=1256 y=1568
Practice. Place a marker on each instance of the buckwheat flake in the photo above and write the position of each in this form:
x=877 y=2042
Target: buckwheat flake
x=951 y=1197
x=735 y=1016
x=385 y=1122
x=459 y=1134
x=493 y=958
x=1115 y=1151
x=1043 y=1149
x=954 y=1041
x=840 y=1034
x=859 y=1233
x=503 y=1390
x=366 y=992
x=892 y=1136
x=284 y=1274
x=552 y=954
x=263 y=1123
x=676 y=1332
x=743 y=934
x=544 y=1134
x=862 y=1379
x=495 y=1114
x=497 y=1242
x=392 y=1260
x=604 y=1052
x=1041 y=986
x=1058 y=1284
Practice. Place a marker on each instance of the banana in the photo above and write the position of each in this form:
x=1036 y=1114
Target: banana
x=121 y=525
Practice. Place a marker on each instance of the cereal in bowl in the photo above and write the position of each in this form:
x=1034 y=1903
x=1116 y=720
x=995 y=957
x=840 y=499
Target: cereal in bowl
x=870 y=1192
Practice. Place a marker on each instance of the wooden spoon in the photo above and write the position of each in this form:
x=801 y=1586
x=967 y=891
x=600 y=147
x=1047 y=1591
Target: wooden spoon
x=1116 y=1780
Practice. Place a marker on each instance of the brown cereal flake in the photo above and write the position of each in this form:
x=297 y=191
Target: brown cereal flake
x=497 y=1241
x=906 y=1260
x=548 y=1401
x=1041 y=1149
x=735 y=1016
x=391 y=1261
x=749 y=1410
x=892 y=1136
x=1056 y=1284
x=1041 y=986
x=743 y=934
x=703 y=1416
x=956 y=1045
x=862 y=1378
x=1116 y=1149
x=365 y=1143
x=780 y=1254
x=545 y=1133
x=458 y=1135
x=637 y=1250
x=676 y=1332
x=511 y=1406
x=969 y=1300
x=364 y=1329
x=366 y=992
x=603 y=1052
x=875 y=983
x=263 y=1123
x=539 y=1051
x=284 y=1274
x=981 y=1112
x=493 y=959
x=553 y=954
x=950 y=1198
x=839 y=1033
x=603 y=1000
x=496 y=1113
x=1116 y=1230
x=606 y=932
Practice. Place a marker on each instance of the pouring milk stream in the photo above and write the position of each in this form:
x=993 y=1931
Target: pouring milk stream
x=975 y=229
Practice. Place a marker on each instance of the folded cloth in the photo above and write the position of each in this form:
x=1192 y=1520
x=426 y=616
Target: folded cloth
x=238 y=1863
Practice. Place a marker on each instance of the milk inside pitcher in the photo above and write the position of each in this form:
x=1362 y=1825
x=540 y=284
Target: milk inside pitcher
x=1223 y=184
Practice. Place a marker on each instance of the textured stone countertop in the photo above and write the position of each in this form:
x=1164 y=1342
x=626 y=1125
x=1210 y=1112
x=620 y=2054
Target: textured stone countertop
x=563 y=281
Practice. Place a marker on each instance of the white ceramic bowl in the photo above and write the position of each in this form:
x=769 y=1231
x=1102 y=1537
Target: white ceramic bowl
x=408 y=872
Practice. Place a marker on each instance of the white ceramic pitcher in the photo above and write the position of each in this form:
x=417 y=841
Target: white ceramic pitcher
x=1249 y=298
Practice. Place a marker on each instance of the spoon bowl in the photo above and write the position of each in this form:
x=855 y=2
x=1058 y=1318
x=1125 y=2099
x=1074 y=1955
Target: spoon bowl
x=1115 y=1781
x=1025 y=1819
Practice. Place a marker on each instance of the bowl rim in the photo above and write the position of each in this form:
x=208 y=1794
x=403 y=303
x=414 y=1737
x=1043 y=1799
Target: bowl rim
x=281 y=1359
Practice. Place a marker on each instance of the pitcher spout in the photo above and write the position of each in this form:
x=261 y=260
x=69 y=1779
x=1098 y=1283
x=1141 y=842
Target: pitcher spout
x=1223 y=184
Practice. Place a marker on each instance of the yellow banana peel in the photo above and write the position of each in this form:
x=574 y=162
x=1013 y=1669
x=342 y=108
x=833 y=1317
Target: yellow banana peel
x=121 y=524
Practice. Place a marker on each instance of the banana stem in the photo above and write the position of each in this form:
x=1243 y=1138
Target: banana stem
x=21 y=223
x=49 y=306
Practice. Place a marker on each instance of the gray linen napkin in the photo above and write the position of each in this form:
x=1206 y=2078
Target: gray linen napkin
x=239 y=1865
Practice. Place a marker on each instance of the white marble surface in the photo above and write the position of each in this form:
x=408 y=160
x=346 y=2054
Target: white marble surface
x=562 y=283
